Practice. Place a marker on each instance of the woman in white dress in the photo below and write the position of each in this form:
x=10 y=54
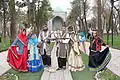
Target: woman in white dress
x=75 y=60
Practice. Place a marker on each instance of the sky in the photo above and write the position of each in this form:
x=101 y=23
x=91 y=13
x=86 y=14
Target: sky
x=63 y=4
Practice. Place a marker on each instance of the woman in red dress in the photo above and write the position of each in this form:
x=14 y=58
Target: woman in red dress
x=17 y=53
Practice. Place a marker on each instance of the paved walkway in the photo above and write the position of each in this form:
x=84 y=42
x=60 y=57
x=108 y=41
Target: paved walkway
x=58 y=75
x=114 y=64
x=3 y=63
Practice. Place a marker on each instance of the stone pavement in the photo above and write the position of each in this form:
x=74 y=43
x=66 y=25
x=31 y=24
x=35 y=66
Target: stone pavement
x=3 y=63
x=58 y=75
x=114 y=64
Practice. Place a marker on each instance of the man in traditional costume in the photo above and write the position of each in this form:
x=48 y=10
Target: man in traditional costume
x=45 y=50
x=54 y=61
x=62 y=49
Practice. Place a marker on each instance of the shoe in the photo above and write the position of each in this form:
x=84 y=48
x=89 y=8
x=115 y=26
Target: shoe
x=58 y=69
x=46 y=65
x=64 y=67
x=52 y=70
x=45 y=68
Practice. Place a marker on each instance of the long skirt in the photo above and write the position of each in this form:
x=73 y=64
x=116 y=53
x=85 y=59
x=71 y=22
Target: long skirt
x=99 y=60
x=75 y=61
x=36 y=64
x=17 y=61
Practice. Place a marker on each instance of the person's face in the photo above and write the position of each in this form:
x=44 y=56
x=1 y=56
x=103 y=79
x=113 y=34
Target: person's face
x=45 y=28
x=72 y=35
x=63 y=29
x=24 y=32
x=33 y=36
x=94 y=33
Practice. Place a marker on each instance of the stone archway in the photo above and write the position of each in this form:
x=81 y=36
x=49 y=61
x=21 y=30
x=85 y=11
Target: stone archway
x=57 y=23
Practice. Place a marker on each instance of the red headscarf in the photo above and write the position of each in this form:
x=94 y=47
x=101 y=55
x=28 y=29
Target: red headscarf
x=22 y=37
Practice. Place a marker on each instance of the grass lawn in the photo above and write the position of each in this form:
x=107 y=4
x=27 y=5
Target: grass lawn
x=83 y=75
x=24 y=76
x=116 y=41
x=108 y=75
x=4 y=46
x=88 y=75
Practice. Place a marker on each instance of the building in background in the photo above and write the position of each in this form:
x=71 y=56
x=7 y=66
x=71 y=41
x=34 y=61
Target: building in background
x=58 y=20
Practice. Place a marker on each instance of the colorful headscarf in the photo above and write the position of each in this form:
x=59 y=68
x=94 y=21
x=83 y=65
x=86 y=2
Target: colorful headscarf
x=22 y=38
x=81 y=37
x=33 y=41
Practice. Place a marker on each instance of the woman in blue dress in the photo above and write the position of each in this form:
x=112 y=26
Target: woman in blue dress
x=34 y=59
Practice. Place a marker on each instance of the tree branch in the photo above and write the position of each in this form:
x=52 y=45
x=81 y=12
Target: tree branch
x=116 y=8
x=116 y=0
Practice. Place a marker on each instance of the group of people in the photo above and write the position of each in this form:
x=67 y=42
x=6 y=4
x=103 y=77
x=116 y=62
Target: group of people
x=23 y=53
x=29 y=53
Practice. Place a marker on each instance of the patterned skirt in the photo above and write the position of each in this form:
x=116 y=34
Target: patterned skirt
x=99 y=60
x=35 y=65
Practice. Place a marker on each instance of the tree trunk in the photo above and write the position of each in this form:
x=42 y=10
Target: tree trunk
x=107 y=30
x=4 y=15
x=104 y=23
x=112 y=5
x=115 y=25
x=79 y=24
x=86 y=28
x=99 y=21
x=83 y=25
x=119 y=15
x=94 y=22
x=37 y=19
x=28 y=14
x=13 y=22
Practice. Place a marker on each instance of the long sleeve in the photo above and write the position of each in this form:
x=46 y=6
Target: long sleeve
x=66 y=40
x=39 y=37
x=15 y=42
x=102 y=43
x=20 y=45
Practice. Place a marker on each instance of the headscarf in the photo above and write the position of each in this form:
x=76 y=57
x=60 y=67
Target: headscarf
x=22 y=37
x=81 y=37
x=34 y=40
